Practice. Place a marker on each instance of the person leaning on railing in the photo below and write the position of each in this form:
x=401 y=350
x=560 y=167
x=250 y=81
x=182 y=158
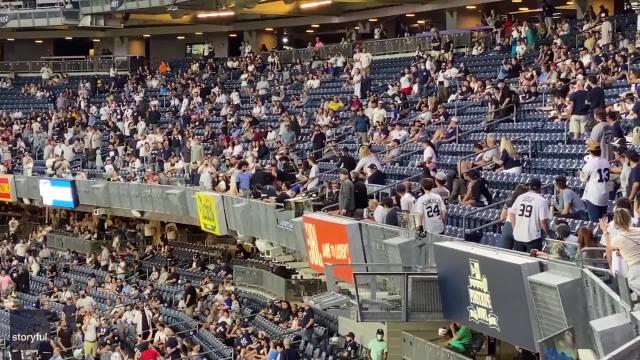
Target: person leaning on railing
x=627 y=242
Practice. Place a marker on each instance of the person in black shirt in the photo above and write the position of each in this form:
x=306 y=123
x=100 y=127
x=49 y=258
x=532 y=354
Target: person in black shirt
x=284 y=314
x=376 y=176
x=360 y=192
x=172 y=347
x=346 y=160
x=64 y=340
x=283 y=195
x=307 y=323
x=595 y=98
x=45 y=348
x=351 y=348
x=393 y=211
x=190 y=298
x=617 y=134
x=318 y=140
x=579 y=110
x=436 y=42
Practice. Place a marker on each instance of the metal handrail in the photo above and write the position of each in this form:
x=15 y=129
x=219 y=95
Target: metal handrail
x=512 y=116
x=422 y=138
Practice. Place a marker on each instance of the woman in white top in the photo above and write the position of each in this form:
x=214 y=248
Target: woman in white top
x=313 y=173
x=367 y=158
x=429 y=155
x=626 y=242
x=356 y=81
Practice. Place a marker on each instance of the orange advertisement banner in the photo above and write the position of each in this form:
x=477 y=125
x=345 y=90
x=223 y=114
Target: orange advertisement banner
x=5 y=189
x=328 y=243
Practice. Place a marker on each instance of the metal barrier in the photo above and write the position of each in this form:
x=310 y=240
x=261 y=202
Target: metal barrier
x=270 y=283
x=397 y=296
x=89 y=64
x=460 y=39
x=603 y=301
x=72 y=242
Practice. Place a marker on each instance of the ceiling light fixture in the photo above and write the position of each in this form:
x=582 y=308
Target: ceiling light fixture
x=373 y=20
x=523 y=9
x=10 y=39
x=569 y=2
x=217 y=14
x=516 y=1
x=180 y=37
x=268 y=29
x=146 y=35
x=68 y=38
x=410 y=15
x=315 y=25
x=310 y=31
x=198 y=33
x=315 y=4
x=357 y=27
x=421 y=22
x=233 y=35
x=38 y=41
x=96 y=40
x=470 y=7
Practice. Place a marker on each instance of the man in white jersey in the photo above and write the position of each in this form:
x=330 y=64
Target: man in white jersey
x=432 y=212
x=595 y=174
x=407 y=200
x=529 y=216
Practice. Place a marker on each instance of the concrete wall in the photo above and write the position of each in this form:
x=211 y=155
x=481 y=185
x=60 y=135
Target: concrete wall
x=136 y=46
x=167 y=47
x=22 y=50
x=468 y=18
x=265 y=37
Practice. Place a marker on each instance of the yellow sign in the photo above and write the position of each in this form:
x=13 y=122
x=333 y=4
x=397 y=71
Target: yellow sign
x=480 y=306
x=209 y=206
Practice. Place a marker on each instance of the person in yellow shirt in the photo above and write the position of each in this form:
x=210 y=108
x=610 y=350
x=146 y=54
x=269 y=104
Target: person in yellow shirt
x=335 y=104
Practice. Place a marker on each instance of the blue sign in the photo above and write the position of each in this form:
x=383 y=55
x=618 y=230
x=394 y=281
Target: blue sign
x=59 y=192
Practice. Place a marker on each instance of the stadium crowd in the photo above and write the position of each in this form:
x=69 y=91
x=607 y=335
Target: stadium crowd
x=154 y=126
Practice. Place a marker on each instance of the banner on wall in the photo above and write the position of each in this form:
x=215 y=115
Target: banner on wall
x=488 y=292
x=58 y=192
x=7 y=188
x=329 y=241
x=211 y=213
x=6 y=18
x=115 y=4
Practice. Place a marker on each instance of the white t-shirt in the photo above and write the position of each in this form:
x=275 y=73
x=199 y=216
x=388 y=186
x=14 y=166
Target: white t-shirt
x=595 y=173
x=407 y=202
x=379 y=214
x=432 y=207
x=529 y=209
x=429 y=153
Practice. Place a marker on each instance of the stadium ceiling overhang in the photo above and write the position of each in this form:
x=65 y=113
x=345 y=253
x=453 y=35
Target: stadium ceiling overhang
x=160 y=20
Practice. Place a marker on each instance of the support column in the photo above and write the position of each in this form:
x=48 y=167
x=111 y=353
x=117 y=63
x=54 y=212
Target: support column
x=581 y=7
x=451 y=19
x=251 y=37
x=120 y=46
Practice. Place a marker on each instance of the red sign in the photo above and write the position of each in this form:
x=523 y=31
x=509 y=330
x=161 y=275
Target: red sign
x=5 y=189
x=327 y=242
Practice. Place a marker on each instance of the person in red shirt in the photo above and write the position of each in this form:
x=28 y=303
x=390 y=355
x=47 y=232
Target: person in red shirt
x=150 y=353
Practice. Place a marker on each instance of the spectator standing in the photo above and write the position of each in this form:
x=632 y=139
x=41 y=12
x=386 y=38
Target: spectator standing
x=431 y=209
x=377 y=348
x=602 y=134
x=579 y=110
x=529 y=216
x=346 y=199
x=595 y=173
x=361 y=126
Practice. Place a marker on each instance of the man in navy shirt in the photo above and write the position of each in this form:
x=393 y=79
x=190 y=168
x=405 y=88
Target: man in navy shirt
x=307 y=322
x=579 y=110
